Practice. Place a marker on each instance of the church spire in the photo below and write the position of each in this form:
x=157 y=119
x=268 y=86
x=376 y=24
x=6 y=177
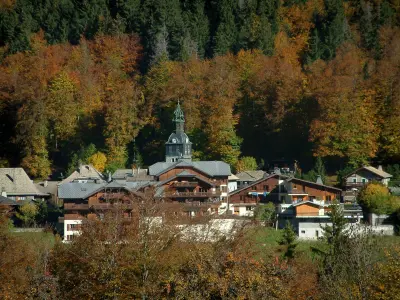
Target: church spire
x=179 y=118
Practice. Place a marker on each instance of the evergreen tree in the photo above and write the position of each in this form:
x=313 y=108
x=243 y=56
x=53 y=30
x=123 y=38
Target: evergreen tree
x=288 y=239
x=226 y=34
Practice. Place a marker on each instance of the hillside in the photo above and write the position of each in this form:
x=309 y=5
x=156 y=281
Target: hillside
x=269 y=79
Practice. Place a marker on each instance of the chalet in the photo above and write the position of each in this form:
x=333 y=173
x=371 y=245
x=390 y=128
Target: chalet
x=93 y=198
x=303 y=190
x=360 y=177
x=308 y=217
x=16 y=185
x=279 y=189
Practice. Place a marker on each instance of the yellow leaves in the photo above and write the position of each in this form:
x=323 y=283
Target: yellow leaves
x=98 y=160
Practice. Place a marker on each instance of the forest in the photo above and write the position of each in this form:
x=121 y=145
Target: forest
x=296 y=79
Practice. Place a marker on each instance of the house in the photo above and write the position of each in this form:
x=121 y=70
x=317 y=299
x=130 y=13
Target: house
x=303 y=190
x=132 y=175
x=91 y=198
x=83 y=173
x=309 y=217
x=279 y=189
x=7 y=205
x=16 y=185
x=360 y=177
x=232 y=183
x=248 y=177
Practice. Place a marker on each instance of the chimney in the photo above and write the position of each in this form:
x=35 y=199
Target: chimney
x=3 y=192
x=45 y=183
x=133 y=171
x=380 y=168
x=319 y=180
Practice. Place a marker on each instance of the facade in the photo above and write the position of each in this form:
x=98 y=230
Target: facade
x=84 y=173
x=360 y=177
x=16 y=185
x=309 y=217
x=279 y=189
x=90 y=199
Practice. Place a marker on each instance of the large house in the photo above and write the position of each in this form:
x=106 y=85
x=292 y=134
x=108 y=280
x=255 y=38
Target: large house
x=16 y=185
x=279 y=189
x=309 y=217
x=360 y=177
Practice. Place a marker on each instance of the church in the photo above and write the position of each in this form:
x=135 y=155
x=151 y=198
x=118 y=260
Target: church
x=179 y=179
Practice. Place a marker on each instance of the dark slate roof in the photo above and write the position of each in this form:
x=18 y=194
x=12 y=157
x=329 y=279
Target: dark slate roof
x=211 y=168
x=76 y=190
x=184 y=174
x=14 y=181
x=180 y=137
x=7 y=201
x=126 y=173
x=51 y=187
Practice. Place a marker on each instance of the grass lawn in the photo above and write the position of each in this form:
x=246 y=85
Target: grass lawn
x=41 y=240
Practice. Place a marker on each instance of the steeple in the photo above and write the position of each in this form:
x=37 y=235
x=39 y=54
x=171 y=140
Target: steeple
x=178 y=147
x=179 y=119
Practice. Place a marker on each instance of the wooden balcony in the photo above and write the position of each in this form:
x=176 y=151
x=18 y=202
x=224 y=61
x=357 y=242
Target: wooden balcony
x=192 y=194
x=184 y=184
x=307 y=214
x=106 y=206
x=74 y=206
x=355 y=184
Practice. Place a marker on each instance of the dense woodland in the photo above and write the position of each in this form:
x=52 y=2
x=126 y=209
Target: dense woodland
x=263 y=78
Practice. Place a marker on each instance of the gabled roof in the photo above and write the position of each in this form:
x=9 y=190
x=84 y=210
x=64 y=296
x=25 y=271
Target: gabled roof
x=14 y=181
x=308 y=202
x=211 y=168
x=257 y=182
x=250 y=175
x=84 y=171
x=77 y=190
x=125 y=173
x=373 y=170
x=314 y=183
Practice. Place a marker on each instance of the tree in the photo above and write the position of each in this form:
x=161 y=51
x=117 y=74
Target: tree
x=246 y=163
x=376 y=198
x=265 y=213
x=27 y=213
x=318 y=170
x=288 y=239
x=98 y=160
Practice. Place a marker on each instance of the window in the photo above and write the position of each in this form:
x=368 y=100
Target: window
x=294 y=187
x=364 y=180
x=249 y=208
x=282 y=198
x=242 y=198
x=254 y=188
x=266 y=188
x=354 y=180
x=328 y=198
x=303 y=231
x=21 y=198
x=202 y=190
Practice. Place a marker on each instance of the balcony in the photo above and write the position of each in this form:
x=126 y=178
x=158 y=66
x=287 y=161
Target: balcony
x=105 y=206
x=74 y=206
x=308 y=214
x=192 y=194
x=188 y=184
x=355 y=184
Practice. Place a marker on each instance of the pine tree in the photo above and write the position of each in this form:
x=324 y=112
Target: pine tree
x=226 y=34
x=288 y=238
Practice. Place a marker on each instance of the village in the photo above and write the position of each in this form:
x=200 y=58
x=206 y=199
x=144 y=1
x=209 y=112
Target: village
x=195 y=189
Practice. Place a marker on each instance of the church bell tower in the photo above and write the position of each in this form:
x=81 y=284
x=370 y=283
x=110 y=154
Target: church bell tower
x=178 y=147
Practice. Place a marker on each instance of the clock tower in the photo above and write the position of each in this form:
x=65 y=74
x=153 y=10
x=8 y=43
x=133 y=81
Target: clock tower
x=178 y=147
